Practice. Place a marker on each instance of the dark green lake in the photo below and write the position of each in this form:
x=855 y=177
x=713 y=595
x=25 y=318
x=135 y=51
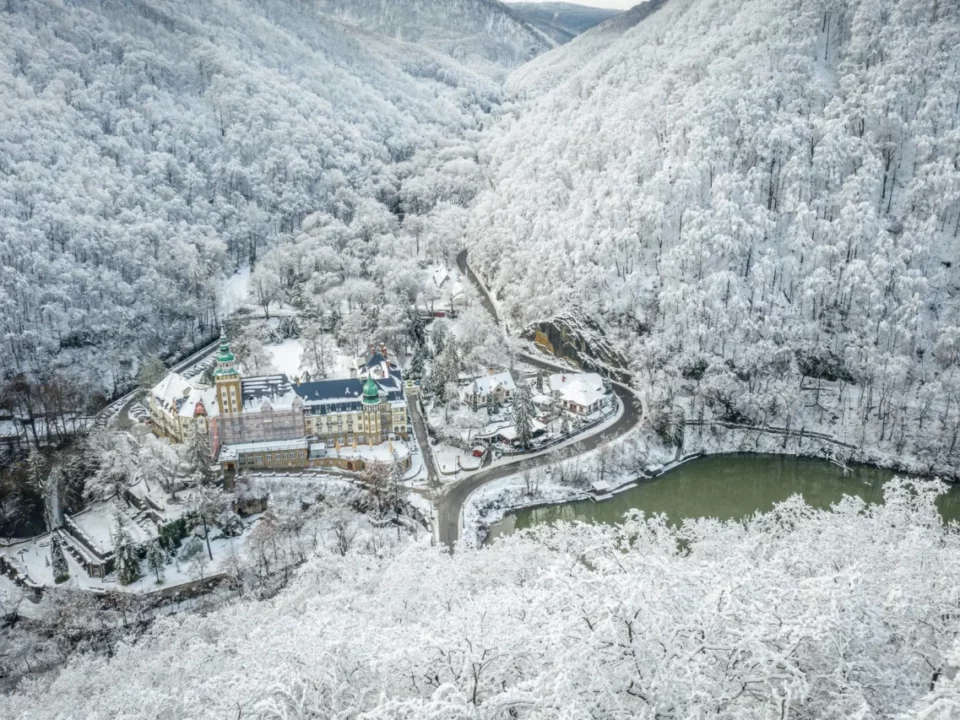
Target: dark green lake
x=726 y=487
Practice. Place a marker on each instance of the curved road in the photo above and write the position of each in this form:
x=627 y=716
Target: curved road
x=453 y=500
x=117 y=412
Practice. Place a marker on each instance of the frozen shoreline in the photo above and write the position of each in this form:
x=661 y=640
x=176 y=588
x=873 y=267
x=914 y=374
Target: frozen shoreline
x=475 y=524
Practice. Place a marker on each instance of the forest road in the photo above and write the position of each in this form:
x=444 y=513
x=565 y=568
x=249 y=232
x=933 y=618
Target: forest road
x=451 y=503
x=121 y=418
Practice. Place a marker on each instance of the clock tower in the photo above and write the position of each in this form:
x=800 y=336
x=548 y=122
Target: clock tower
x=226 y=379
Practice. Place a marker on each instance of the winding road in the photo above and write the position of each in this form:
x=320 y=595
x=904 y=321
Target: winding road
x=451 y=503
x=118 y=411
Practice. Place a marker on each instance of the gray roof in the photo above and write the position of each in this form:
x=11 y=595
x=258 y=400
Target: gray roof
x=350 y=389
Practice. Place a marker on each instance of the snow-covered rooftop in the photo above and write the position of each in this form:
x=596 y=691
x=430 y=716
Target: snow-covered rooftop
x=274 y=390
x=231 y=452
x=176 y=391
x=488 y=383
x=583 y=389
x=172 y=388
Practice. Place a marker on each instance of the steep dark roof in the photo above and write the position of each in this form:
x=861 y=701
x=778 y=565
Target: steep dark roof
x=349 y=389
x=375 y=359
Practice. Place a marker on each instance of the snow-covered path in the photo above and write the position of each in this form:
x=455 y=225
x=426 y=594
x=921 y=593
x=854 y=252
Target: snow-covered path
x=450 y=505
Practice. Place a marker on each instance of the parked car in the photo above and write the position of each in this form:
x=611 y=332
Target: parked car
x=479 y=451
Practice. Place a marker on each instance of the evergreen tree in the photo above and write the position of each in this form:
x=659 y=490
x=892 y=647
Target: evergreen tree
x=25 y=500
x=126 y=563
x=396 y=493
x=206 y=377
x=445 y=371
x=198 y=453
x=151 y=372
x=417 y=364
x=36 y=470
x=156 y=560
x=523 y=413
x=61 y=571
x=416 y=328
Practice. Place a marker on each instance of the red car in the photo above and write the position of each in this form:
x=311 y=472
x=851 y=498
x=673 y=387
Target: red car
x=479 y=451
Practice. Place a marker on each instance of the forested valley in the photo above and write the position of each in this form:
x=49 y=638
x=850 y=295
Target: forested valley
x=151 y=148
x=752 y=198
x=743 y=216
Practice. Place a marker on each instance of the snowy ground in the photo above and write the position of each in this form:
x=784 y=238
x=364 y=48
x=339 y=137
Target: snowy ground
x=100 y=521
x=287 y=357
x=488 y=505
x=417 y=475
x=33 y=558
x=378 y=453
x=233 y=291
x=446 y=458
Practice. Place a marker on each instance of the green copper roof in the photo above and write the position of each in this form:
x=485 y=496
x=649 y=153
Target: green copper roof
x=371 y=393
x=225 y=356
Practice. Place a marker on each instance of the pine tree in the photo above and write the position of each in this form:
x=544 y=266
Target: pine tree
x=396 y=490
x=156 y=560
x=417 y=363
x=126 y=563
x=198 y=453
x=61 y=571
x=417 y=328
x=446 y=370
x=523 y=414
x=151 y=372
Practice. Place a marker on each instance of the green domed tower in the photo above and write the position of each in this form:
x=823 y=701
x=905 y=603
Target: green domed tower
x=371 y=412
x=371 y=393
x=226 y=378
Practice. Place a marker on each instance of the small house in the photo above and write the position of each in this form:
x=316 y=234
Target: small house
x=496 y=388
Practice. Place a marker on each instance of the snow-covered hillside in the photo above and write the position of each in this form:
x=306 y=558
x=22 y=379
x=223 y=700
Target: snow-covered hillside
x=148 y=146
x=547 y=71
x=785 y=616
x=484 y=34
x=562 y=21
x=747 y=191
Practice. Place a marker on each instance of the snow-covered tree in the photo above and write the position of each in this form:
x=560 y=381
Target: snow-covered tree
x=197 y=453
x=156 y=560
x=206 y=504
x=58 y=563
x=524 y=413
x=126 y=563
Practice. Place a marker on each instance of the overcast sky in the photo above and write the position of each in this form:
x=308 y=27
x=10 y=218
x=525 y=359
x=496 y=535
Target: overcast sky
x=618 y=4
